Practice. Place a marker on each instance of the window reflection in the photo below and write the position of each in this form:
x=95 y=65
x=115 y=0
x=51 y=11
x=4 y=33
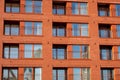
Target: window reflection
x=118 y=10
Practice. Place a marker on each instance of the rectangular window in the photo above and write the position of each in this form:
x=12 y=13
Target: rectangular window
x=81 y=74
x=59 y=29
x=105 y=31
x=59 y=52
x=12 y=6
x=80 y=51
x=79 y=29
x=33 y=6
x=118 y=52
x=118 y=10
x=32 y=74
x=33 y=28
x=79 y=8
x=103 y=10
x=10 y=74
x=107 y=74
x=59 y=8
x=33 y=51
x=118 y=30
x=106 y=52
x=11 y=51
x=59 y=74
x=11 y=28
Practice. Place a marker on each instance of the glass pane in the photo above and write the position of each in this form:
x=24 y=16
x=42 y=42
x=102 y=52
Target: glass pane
x=76 y=74
x=61 y=75
x=54 y=32
x=5 y=74
x=54 y=53
x=37 y=73
x=37 y=28
x=85 y=52
x=27 y=73
x=13 y=74
x=117 y=10
x=37 y=6
x=118 y=52
x=83 y=9
x=84 y=30
x=6 y=52
x=28 y=6
x=28 y=51
x=118 y=30
x=54 y=11
x=54 y=75
x=60 y=10
x=60 y=31
x=37 y=51
x=15 y=7
x=28 y=28
x=7 y=7
x=7 y=29
x=61 y=53
x=75 y=30
x=13 y=52
x=104 y=54
x=14 y=29
x=85 y=73
x=76 y=51
x=75 y=9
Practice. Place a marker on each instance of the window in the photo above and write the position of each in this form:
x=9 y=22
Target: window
x=81 y=74
x=59 y=52
x=33 y=6
x=10 y=74
x=32 y=73
x=79 y=8
x=12 y=6
x=11 y=51
x=105 y=31
x=106 y=52
x=59 y=74
x=33 y=51
x=118 y=30
x=80 y=51
x=107 y=74
x=59 y=29
x=11 y=28
x=79 y=29
x=118 y=52
x=33 y=28
x=103 y=10
x=59 y=8
x=118 y=10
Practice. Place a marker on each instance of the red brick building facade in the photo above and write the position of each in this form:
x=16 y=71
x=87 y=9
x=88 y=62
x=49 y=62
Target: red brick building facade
x=60 y=39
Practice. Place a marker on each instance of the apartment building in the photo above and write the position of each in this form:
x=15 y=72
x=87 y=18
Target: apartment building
x=59 y=39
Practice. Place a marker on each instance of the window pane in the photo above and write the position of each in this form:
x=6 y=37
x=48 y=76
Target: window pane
x=60 y=10
x=85 y=52
x=76 y=74
x=7 y=29
x=13 y=52
x=37 y=73
x=15 y=7
x=37 y=6
x=7 y=7
x=54 y=75
x=54 y=32
x=118 y=52
x=76 y=51
x=27 y=73
x=37 y=51
x=28 y=28
x=83 y=9
x=28 y=51
x=37 y=28
x=118 y=30
x=117 y=10
x=75 y=30
x=28 y=6
x=6 y=52
x=14 y=29
x=61 y=74
x=13 y=74
x=60 y=31
x=84 y=30
x=75 y=9
x=54 y=53
x=61 y=53
x=5 y=74
x=107 y=74
x=85 y=73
